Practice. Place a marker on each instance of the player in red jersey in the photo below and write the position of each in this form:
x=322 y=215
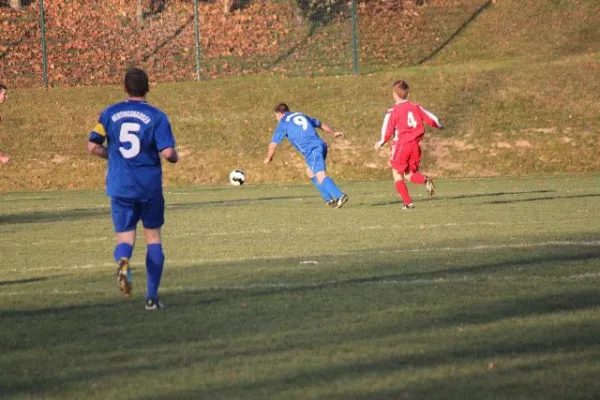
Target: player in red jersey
x=405 y=122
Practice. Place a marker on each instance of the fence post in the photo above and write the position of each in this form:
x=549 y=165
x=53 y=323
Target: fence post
x=197 y=28
x=354 y=38
x=44 y=54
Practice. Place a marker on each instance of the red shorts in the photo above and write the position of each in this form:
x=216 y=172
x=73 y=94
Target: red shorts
x=405 y=157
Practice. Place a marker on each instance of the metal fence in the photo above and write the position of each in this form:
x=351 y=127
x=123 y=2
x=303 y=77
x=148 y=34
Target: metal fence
x=79 y=42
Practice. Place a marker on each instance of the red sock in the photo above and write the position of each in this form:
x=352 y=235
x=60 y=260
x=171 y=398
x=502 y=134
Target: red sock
x=417 y=177
x=403 y=191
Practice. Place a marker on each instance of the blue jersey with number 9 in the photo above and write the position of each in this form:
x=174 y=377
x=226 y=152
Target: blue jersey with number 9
x=300 y=131
x=136 y=132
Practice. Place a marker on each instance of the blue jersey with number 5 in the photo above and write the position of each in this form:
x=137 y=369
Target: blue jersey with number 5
x=300 y=131
x=136 y=133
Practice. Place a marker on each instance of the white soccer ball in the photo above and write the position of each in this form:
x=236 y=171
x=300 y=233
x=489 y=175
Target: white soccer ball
x=237 y=177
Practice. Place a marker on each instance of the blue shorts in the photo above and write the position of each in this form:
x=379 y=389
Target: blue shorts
x=126 y=213
x=316 y=159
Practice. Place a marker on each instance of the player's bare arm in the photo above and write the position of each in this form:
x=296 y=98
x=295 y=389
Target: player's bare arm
x=98 y=150
x=379 y=144
x=332 y=131
x=387 y=130
x=4 y=159
x=270 y=153
x=170 y=154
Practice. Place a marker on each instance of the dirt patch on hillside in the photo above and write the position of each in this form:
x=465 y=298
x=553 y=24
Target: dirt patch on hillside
x=449 y=157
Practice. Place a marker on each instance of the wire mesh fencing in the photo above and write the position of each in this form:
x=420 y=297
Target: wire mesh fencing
x=80 y=42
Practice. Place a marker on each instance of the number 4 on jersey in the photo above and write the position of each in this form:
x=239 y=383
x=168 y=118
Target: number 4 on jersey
x=411 y=121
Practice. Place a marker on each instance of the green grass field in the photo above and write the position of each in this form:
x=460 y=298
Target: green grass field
x=489 y=290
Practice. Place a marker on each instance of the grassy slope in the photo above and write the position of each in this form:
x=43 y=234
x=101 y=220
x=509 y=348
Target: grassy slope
x=536 y=30
x=514 y=101
x=494 y=294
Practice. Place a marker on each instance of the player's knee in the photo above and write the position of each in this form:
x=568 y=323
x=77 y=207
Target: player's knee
x=152 y=236
x=321 y=176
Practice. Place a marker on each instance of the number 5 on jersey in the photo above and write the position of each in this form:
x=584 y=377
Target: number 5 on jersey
x=127 y=135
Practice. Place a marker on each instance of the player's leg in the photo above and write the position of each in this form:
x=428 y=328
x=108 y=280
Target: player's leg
x=152 y=216
x=125 y=215
x=399 y=164
x=414 y=159
x=329 y=201
x=402 y=189
x=414 y=175
x=155 y=261
x=123 y=252
x=327 y=184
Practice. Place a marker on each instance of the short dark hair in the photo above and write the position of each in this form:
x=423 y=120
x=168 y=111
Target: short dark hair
x=3 y=87
x=281 y=108
x=136 y=82
x=401 y=88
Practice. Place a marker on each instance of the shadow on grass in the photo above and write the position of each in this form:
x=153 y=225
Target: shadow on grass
x=579 y=196
x=22 y=281
x=104 y=212
x=447 y=386
x=53 y=216
x=485 y=269
x=115 y=333
x=471 y=196
x=506 y=380
x=446 y=274
x=233 y=202
x=460 y=29
x=211 y=330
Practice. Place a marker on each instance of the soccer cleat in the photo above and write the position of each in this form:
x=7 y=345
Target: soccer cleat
x=342 y=200
x=124 y=276
x=331 y=203
x=430 y=187
x=153 y=304
x=408 y=206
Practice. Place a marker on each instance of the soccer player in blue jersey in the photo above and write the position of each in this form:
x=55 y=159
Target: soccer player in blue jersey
x=137 y=135
x=300 y=131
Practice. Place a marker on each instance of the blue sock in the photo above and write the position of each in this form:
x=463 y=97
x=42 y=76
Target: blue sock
x=155 y=259
x=123 y=250
x=330 y=187
x=324 y=194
